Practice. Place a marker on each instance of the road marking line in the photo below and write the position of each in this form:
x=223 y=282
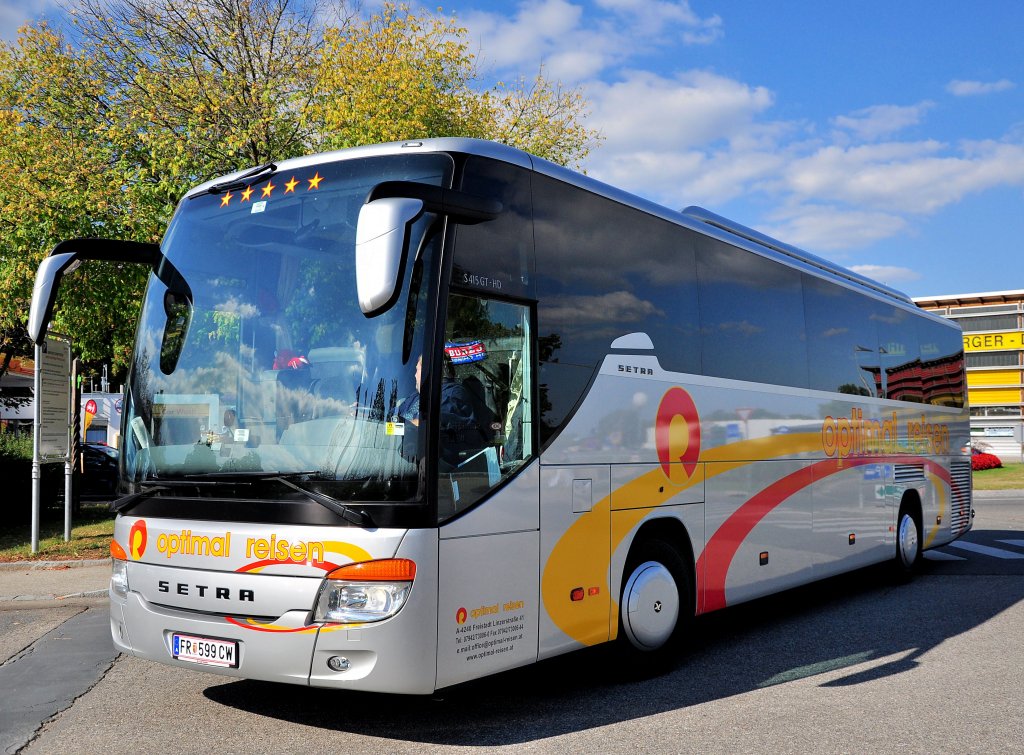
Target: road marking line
x=985 y=550
x=1018 y=543
x=942 y=556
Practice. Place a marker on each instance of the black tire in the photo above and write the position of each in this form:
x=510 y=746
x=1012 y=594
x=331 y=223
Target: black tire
x=908 y=542
x=656 y=602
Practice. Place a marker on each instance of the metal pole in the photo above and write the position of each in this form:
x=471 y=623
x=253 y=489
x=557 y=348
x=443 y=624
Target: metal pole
x=69 y=459
x=35 y=450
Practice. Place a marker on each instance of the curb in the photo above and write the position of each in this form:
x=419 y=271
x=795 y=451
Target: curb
x=999 y=493
x=47 y=598
x=81 y=563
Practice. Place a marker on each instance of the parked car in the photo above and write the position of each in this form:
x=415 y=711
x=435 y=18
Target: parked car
x=98 y=480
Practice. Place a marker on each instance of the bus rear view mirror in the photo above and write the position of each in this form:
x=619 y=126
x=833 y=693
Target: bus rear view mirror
x=382 y=245
x=383 y=238
x=67 y=255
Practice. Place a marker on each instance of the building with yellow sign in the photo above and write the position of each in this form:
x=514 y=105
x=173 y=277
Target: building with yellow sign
x=993 y=325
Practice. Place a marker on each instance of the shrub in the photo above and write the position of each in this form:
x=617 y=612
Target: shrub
x=985 y=461
x=15 y=446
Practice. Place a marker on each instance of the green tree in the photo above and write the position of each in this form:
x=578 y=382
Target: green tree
x=102 y=131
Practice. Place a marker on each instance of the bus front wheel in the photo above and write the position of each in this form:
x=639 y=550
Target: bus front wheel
x=655 y=597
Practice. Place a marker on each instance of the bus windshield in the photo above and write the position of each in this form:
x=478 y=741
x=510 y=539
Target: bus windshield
x=255 y=359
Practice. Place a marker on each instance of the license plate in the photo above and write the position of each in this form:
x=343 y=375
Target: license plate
x=205 y=650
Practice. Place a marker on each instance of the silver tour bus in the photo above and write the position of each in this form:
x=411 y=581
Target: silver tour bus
x=406 y=415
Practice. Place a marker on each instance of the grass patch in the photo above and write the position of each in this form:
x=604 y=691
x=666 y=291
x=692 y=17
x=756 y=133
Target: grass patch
x=1006 y=477
x=92 y=529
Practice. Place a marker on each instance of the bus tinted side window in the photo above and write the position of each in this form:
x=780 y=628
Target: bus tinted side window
x=495 y=258
x=942 y=364
x=605 y=270
x=842 y=339
x=900 y=353
x=751 y=316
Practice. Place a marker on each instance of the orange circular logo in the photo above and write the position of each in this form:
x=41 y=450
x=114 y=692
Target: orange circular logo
x=461 y=615
x=677 y=435
x=137 y=537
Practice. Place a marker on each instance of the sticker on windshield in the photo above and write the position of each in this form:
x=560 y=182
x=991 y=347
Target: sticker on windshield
x=464 y=353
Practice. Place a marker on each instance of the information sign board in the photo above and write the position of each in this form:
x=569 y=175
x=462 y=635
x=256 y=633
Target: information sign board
x=54 y=399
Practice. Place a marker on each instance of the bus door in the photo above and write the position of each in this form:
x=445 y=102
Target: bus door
x=488 y=492
x=575 y=553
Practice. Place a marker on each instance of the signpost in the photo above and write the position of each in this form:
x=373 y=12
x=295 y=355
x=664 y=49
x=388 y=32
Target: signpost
x=52 y=433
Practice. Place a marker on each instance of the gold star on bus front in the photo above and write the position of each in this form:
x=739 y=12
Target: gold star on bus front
x=226 y=199
x=314 y=182
x=290 y=186
x=247 y=193
x=267 y=189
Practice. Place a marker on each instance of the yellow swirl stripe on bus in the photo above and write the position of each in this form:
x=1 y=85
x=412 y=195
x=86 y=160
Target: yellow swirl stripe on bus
x=581 y=555
x=353 y=554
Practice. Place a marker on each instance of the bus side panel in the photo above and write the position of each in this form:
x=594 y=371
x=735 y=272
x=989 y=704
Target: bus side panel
x=514 y=508
x=575 y=554
x=758 y=518
x=487 y=605
x=853 y=516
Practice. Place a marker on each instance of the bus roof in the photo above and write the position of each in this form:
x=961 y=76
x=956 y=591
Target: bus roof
x=693 y=217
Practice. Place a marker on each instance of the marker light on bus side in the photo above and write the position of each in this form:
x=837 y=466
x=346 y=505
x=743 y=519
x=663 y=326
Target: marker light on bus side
x=365 y=592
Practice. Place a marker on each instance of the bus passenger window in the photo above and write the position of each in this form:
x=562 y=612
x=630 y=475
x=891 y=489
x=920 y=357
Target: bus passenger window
x=485 y=430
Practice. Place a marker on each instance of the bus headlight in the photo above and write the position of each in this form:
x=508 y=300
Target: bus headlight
x=365 y=592
x=118 y=570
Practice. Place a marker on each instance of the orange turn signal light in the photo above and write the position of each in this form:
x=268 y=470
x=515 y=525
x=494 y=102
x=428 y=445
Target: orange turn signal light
x=382 y=570
x=116 y=551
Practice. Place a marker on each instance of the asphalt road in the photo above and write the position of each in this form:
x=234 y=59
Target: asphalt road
x=858 y=663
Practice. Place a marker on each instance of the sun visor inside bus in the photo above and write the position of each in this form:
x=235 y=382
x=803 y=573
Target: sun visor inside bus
x=456 y=205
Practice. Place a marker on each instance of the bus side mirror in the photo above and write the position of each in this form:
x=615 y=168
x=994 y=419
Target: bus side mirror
x=44 y=292
x=68 y=255
x=382 y=246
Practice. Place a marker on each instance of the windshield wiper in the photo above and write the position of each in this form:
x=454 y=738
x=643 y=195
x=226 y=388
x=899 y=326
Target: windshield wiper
x=241 y=476
x=348 y=514
x=360 y=517
x=239 y=182
x=126 y=502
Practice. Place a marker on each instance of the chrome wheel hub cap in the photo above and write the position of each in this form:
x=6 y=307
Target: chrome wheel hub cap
x=650 y=606
x=908 y=540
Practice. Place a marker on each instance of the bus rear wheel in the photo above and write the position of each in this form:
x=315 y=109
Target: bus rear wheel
x=655 y=600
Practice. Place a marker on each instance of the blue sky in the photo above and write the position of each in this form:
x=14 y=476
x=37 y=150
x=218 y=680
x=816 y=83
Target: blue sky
x=886 y=136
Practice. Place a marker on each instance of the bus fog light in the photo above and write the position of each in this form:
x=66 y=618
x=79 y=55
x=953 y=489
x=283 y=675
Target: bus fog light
x=119 y=578
x=345 y=602
x=338 y=663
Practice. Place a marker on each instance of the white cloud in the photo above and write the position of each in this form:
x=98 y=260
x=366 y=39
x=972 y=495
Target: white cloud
x=972 y=88
x=831 y=227
x=879 y=121
x=887 y=274
x=665 y=17
x=15 y=13
x=693 y=108
x=575 y=46
x=663 y=134
x=913 y=177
